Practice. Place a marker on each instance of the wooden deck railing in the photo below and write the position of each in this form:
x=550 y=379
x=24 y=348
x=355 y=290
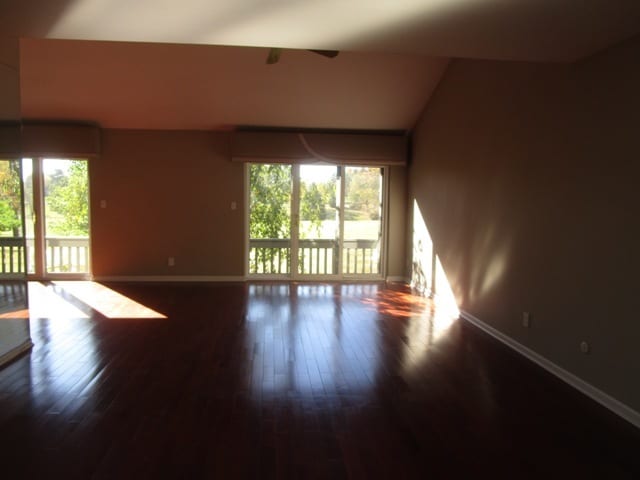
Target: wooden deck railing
x=315 y=257
x=266 y=256
x=12 y=255
x=269 y=255
x=67 y=254
x=63 y=255
x=361 y=257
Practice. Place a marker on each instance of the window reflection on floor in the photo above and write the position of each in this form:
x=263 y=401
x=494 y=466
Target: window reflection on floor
x=64 y=353
x=65 y=362
x=309 y=340
x=420 y=323
x=302 y=343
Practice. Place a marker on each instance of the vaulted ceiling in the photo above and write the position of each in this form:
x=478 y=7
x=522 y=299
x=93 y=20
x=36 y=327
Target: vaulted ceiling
x=172 y=86
x=201 y=63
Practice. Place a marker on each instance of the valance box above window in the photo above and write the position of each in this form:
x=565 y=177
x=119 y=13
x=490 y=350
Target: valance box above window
x=68 y=141
x=50 y=140
x=331 y=148
x=10 y=140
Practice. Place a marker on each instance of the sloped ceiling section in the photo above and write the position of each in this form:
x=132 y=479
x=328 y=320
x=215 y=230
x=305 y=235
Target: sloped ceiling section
x=533 y=30
x=166 y=86
x=200 y=64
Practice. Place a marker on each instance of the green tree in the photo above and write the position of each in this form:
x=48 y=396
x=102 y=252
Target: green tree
x=8 y=219
x=315 y=202
x=362 y=193
x=270 y=212
x=270 y=202
x=68 y=198
x=10 y=197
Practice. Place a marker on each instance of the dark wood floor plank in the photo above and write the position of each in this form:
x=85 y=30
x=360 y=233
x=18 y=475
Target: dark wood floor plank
x=278 y=380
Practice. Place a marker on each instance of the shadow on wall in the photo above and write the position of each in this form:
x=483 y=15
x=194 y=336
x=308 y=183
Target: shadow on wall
x=427 y=274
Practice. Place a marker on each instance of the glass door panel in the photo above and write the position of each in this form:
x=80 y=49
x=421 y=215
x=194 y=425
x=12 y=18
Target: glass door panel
x=12 y=242
x=270 y=188
x=314 y=221
x=318 y=226
x=362 y=221
x=66 y=216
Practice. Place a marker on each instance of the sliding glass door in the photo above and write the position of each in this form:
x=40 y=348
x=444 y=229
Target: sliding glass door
x=315 y=221
x=57 y=193
x=362 y=221
x=270 y=219
x=318 y=221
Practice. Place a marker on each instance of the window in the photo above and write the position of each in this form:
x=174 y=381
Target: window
x=315 y=221
x=57 y=191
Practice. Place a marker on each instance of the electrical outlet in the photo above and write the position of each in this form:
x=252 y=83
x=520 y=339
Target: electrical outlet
x=585 y=347
x=526 y=319
x=171 y=261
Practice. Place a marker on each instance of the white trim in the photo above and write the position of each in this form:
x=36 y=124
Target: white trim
x=398 y=279
x=320 y=279
x=15 y=352
x=265 y=277
x=317 y=277
x=39 y=243
x=362 y=277
x=294 y=221
x=236 y=278
x=59 y=276
x=586 y=388
x=170 y=278
x=385 y=225
x=247 y=205
x=340 y=205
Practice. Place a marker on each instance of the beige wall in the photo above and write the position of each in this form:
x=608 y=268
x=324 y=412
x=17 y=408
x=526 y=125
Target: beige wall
x=9 y=79
x=397 y=222
x=527 y=176
x=168 y=193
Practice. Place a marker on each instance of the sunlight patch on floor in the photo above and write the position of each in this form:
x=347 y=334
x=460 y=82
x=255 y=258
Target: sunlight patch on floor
x=397 y=303
x=44 y=302
x=106 y=301
x=15 y=314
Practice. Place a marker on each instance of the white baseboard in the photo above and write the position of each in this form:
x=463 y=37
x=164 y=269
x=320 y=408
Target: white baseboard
x=398 y=279
x=596 y=394
x=15 y=352
x=170 y=278
x=227 y=278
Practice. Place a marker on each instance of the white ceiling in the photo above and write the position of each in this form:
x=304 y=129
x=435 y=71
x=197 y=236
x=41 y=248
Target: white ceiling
x=393 y=54
x=169 y=86
x=546 y=30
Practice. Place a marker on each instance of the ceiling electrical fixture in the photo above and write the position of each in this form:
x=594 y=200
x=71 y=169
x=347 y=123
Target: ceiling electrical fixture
x=274 y=54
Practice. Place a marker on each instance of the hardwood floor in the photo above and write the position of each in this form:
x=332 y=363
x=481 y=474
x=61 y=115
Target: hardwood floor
x=287 y=381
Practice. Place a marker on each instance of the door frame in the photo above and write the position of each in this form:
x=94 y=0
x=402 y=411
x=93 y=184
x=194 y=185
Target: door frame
x=39 y=229
x=293 y=274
